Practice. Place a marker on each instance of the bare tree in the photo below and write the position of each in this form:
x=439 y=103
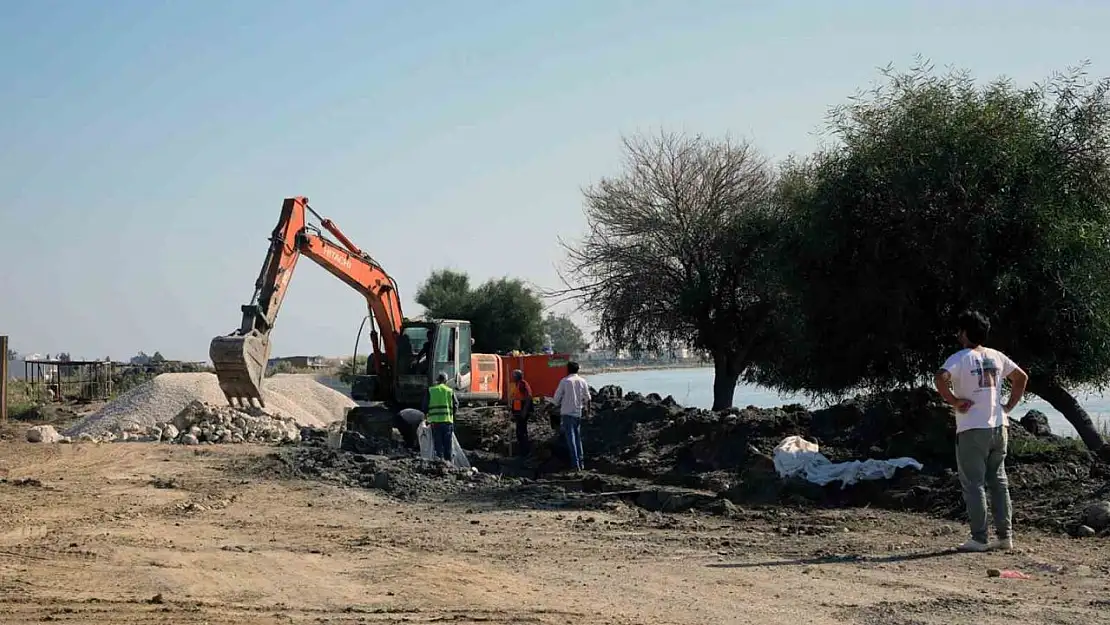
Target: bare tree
x=673 y=254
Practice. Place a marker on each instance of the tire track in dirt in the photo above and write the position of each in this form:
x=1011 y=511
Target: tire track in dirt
x=155 y=610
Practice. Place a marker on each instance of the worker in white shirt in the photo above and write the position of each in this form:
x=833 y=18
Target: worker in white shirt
x=572 y=398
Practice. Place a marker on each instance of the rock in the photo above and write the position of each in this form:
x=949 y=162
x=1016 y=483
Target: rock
x=190 y=439
x=994 y=573
x=87 y=438
x=188 y=415
x=1097 y=516
x=1084 y=531
x=722 y=507
x=169 y=432
x=43 y=434
x=381 y=480
x=610 y=391
x=1036 y=423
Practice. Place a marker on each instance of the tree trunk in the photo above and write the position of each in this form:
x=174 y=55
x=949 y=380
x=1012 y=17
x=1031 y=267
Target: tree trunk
x=726 y=372
x=1059 y=398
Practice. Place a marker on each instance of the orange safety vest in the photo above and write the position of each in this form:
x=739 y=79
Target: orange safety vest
x=517 y=397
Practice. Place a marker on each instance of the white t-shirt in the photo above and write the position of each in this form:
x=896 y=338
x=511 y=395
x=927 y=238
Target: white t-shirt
x=977 y=374
x=572 y=395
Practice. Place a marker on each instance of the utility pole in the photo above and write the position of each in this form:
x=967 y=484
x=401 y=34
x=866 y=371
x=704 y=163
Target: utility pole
x=4 y=380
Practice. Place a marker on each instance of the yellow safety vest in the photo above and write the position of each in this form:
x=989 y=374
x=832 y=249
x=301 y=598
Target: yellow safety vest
x=440 y=400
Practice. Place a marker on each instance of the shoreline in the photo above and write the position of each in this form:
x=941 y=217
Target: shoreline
x=587 y=370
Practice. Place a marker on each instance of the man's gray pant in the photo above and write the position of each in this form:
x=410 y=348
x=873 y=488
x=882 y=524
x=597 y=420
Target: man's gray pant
x=981 y=459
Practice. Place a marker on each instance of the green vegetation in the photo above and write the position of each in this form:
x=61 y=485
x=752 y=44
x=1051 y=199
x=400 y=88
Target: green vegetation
x=22 y=400
x=566 y=337
x=844 y=270
x=504 y=314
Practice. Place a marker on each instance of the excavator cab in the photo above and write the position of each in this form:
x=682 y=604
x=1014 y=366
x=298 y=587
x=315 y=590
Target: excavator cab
x=441 y=346
x=425 y=349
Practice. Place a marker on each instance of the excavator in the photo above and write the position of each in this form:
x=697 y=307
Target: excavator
x=407 y=353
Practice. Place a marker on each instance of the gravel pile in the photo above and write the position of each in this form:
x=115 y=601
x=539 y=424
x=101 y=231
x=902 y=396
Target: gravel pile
x=206 y=423
x=197 y=423
x=288 y=396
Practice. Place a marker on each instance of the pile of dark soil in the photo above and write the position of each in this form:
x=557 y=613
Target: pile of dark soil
x=653 y=439
x=384 y=465
x=652 y=453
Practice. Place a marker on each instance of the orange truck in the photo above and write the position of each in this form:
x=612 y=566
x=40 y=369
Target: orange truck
x=542 y=371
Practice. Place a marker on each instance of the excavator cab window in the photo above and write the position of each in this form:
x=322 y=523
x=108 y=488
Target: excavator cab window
x=445 y=351
x=464 y=348
x=416 y=358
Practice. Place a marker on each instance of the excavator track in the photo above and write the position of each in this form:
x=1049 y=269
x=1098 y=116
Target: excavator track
x=240 y=364
x=379 y=421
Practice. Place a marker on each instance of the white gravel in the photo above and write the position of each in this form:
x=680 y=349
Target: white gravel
x=297 y=396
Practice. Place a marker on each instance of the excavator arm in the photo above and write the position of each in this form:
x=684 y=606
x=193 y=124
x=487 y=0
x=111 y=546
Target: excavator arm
x=240 y=358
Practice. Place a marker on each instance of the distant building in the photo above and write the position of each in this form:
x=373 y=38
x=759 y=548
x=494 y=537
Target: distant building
x=303 y=362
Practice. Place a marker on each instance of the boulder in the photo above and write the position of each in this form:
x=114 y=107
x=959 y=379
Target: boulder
x=610 y=391
x=1036 y=423
x=1097 y=516
x=43 y=434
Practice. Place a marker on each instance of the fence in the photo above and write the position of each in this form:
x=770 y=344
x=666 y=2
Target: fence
x=58 y=380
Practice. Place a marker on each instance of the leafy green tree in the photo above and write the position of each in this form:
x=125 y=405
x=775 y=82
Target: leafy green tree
x=157 y=358
x=445 y=290
x=675 y=252
x=944 y=195
x=504 y=314
x=566 y=336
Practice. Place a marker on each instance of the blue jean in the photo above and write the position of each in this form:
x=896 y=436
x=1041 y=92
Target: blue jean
x=572 y=430
x=443 y=435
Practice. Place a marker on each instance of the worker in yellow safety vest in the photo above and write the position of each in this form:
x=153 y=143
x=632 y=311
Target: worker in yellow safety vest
x=440 y=406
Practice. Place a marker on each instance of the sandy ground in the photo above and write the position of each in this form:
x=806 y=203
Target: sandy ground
x=146 y=533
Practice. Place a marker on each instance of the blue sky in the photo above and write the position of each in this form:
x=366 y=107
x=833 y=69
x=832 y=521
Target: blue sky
x=147 y=145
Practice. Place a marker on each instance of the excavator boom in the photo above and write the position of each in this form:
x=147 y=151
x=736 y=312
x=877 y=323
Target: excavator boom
x=240 y=358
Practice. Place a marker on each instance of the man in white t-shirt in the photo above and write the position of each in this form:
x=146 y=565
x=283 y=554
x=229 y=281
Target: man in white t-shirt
x=975 y=374
x=572 y=397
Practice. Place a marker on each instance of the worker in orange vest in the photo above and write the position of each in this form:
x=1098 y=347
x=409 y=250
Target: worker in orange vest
x=521 y=409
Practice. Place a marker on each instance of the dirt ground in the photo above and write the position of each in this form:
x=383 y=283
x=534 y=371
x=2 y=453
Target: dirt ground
x=147 y=533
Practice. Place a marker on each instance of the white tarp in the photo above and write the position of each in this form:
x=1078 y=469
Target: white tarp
x=428 y=450
x=795 y=456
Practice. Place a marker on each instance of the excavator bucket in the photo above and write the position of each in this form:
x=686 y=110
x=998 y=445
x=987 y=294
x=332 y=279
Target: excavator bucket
x=240 y=363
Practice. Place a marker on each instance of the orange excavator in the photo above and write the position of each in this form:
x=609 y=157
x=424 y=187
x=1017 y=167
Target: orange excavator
x=407 y=353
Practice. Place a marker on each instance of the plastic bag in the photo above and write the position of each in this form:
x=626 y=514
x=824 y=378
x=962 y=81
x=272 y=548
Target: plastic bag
x=428 y=448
